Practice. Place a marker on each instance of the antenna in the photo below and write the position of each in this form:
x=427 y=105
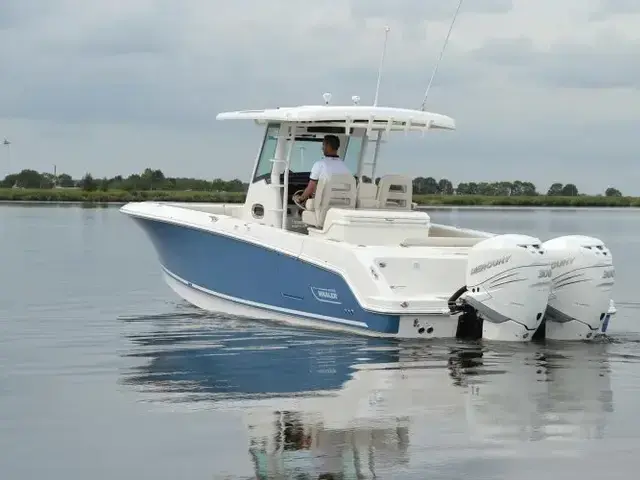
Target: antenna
x=384 y=49
x=435 y=70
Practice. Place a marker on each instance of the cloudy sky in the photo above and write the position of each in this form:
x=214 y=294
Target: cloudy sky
x=541 y=90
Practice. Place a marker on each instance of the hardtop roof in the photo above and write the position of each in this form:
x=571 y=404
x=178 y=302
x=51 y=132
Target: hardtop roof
x=350 y=116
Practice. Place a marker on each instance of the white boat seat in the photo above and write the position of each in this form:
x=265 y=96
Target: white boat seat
x=335 y=191
x=366 y=196
x=395 y=192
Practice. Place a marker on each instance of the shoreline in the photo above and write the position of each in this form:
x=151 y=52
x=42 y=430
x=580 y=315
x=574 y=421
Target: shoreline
x=426 y=208
x=476 y=202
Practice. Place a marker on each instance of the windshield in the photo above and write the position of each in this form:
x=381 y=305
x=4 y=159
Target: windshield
x=305 y=152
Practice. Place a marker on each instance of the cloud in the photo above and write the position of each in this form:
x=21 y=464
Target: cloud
x=537 y=89
x=607 y=63
x=410 y=11
x=18 y=14
x=608 y=8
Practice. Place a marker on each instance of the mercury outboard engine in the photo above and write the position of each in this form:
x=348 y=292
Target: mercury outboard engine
x=508 y=282
x=582 y=282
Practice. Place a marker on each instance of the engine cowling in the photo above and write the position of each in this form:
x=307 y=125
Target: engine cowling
x=508 y=283
x=582 y=283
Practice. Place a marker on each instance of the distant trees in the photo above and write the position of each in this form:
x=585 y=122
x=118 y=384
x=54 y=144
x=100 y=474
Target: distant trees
x=149 y=179
x=28 y=179
x=153 y=179
x=65 y=181
x=555 y=190
x=558 y=189
x=431 y=186
x=88 y=183
x=504 y=189
x=425 y=186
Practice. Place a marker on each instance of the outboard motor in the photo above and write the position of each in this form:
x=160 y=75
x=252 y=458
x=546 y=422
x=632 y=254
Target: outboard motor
x=508 y=282
x=582 y=281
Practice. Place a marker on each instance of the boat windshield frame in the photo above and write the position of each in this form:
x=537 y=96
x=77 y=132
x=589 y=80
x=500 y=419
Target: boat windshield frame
x=351 y=148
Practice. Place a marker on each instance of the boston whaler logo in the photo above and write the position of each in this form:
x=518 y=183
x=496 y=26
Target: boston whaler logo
x=490 y=264
x=327 y=295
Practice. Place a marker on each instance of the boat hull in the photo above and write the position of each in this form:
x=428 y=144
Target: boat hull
x=229 y=269
x=219 y=273
x=216 y=303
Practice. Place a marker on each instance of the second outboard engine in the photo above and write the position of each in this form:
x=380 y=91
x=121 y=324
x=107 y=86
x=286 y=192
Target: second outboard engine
x=583 y=278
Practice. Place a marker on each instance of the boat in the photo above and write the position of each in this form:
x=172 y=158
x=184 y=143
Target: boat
x=361 y=256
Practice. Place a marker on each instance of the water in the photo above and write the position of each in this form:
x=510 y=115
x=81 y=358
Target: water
x=105 y=374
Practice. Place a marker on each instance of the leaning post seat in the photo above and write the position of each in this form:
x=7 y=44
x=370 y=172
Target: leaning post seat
x=366 y=196
x=335 y=191
x=395 y=192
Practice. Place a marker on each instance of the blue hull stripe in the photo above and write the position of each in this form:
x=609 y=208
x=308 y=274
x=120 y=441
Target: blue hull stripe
x=255 y=275
x=261 y=306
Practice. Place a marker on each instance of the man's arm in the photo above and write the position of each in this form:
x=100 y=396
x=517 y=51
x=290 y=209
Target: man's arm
x=310 y=190
x=313 y=182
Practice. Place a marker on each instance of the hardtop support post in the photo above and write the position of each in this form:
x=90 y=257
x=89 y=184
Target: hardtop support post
x=285 y=189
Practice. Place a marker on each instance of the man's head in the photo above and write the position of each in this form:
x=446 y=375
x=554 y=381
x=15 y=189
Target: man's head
x=330 y=145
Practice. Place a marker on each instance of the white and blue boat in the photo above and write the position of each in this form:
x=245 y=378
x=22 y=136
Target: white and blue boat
x=359 y=256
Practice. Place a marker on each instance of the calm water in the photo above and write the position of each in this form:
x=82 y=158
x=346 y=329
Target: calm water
x=105 y=374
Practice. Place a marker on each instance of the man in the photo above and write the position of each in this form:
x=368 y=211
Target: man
x=329 y=165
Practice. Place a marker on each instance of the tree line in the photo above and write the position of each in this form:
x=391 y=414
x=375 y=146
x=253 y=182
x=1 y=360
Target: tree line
x=151 y=179
x=431 y=186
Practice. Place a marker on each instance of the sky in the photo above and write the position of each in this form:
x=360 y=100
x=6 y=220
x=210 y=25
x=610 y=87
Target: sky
x=541 y=90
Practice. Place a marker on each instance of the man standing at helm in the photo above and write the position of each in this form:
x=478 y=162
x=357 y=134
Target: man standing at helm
x=329 y=165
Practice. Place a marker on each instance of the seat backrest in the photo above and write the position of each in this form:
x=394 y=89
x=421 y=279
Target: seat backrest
x=337 y=190
x=366 y=196
x=395 y=192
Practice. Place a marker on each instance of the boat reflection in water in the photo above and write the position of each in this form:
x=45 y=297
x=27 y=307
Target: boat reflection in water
x=317 y=405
